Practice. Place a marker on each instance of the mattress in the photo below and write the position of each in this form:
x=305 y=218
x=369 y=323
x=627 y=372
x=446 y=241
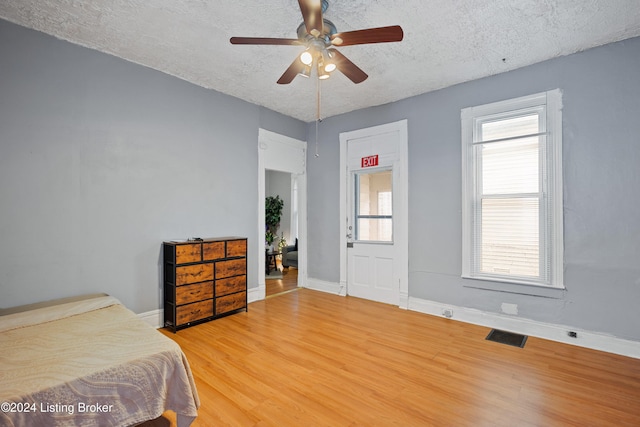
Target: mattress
x=90 y=362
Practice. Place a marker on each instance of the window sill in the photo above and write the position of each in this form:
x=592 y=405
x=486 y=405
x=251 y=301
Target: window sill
x=514 y=288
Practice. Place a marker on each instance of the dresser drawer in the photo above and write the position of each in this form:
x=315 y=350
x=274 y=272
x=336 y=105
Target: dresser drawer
x=236 y=248
x=231 y=285
x=231 y=302
x=188 y=253
x=194 y=273
x=212 y=250
x=192 y=312
x=233 y=267
x=203 y=277
x=192 y=293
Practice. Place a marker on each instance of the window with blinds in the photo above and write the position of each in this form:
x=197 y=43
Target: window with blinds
x=511 y=199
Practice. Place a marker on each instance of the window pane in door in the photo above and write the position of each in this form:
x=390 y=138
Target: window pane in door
x=375 y=229
x=374 y=207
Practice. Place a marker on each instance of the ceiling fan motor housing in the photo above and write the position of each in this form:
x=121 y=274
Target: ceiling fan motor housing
x=328 y=29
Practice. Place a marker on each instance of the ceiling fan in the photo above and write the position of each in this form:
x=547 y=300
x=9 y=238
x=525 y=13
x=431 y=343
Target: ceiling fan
x=318 y=35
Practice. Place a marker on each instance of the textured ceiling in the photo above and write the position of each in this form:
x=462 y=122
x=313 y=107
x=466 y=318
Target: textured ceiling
x=445 y=42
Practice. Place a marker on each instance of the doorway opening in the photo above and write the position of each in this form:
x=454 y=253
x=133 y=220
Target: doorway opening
x=282 y=160
x=281 y=259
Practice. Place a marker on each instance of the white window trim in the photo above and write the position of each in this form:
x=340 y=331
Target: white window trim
x=553 y=101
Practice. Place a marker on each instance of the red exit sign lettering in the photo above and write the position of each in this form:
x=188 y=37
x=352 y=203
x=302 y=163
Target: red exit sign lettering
x=369 y=161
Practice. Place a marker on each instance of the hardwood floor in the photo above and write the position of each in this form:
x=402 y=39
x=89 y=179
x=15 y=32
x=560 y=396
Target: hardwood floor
x=308 y=358
x=288 y=282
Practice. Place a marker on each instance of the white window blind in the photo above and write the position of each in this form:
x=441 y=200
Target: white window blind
x=512 y=204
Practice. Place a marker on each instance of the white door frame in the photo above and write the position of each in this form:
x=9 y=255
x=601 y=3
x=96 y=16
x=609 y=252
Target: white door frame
x=401 y=219
x=284 y=154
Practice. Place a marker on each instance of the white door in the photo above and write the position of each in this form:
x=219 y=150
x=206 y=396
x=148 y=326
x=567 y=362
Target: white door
x=375 y=214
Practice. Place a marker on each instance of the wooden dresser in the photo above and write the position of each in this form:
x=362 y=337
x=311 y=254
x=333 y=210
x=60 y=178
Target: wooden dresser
x=203 y=279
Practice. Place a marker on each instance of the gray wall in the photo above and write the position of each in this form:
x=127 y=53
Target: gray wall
x=601 y=137
x=101 y=160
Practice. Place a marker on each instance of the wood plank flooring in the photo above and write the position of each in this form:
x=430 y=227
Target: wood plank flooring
x=288 y=282
x=307 y=358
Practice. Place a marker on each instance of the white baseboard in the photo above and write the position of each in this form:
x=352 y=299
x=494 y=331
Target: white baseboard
x=255 y=294
x=324 y=286
x=552 y=332
x=153 y=318
x=549 y=331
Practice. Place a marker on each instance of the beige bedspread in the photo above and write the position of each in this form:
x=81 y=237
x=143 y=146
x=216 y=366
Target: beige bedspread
x=90 y=363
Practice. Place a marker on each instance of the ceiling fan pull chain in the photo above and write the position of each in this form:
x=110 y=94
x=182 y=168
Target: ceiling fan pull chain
x=317 y=154
x=318 y=114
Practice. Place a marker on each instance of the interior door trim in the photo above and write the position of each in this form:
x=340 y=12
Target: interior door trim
x=401 y=219
x=284 y=154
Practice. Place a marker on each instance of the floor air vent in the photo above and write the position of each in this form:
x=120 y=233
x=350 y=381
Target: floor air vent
x=508 y=338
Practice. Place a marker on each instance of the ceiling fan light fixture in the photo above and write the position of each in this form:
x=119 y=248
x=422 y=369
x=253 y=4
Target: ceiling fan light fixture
x=305 y=71
x=328 y=63
x=306 y=57
x=322 y=73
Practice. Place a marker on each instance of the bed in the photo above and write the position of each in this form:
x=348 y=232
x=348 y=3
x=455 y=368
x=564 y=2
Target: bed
x=89 y=361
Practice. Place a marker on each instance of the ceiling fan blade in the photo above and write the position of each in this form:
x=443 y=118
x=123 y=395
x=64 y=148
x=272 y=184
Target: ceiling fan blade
x=393 y=33
x=347 y=67
x=263 y=40
x=312 y=15
x=291 y=72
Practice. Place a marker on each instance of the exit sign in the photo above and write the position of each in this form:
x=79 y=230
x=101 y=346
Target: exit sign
x=369 y=161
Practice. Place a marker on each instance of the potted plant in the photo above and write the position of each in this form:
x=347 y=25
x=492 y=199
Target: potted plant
x=273 y=212
x=269 y=237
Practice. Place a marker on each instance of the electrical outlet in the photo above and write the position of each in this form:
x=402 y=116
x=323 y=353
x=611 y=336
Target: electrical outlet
x=448 y=313
x=573 y=334
x=509 y=308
